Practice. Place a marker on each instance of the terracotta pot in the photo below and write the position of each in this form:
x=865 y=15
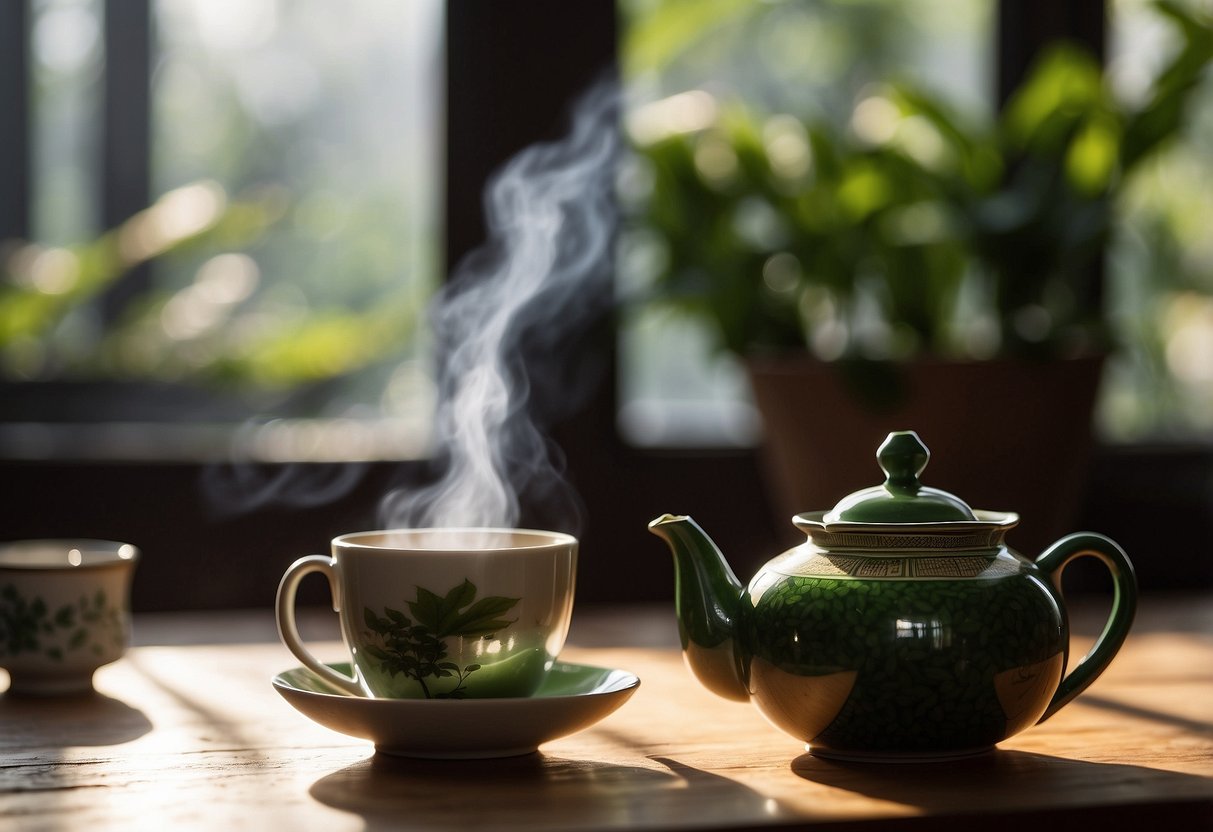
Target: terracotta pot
x=1008 y=435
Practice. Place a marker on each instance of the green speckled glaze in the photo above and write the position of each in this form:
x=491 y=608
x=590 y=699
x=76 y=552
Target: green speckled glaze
x=903 y=628
x=922 y=666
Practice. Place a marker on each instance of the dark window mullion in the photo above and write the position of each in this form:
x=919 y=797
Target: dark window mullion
x=15 y=127
x=126 y=131
x=1025 y=27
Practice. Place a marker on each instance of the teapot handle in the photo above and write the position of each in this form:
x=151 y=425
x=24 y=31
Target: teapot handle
x=1124 y=605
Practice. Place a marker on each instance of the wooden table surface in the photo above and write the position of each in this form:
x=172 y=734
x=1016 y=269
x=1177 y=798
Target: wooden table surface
x=187 y=733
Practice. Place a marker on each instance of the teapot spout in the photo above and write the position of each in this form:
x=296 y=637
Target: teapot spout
x=708 y=602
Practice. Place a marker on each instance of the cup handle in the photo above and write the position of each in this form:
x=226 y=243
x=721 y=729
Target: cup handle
x=1124 y=605
x=289 y=632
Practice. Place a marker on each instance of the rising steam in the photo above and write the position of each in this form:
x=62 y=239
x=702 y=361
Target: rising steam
x=510 y=310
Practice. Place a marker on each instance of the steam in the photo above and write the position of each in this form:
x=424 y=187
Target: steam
x=237 y=488
x=506 y=321
x=504 y=328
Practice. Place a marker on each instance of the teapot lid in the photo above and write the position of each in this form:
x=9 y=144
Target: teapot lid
x=902 y=498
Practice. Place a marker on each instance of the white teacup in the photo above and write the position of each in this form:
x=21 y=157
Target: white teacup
x=64 y=611
x=442 y=613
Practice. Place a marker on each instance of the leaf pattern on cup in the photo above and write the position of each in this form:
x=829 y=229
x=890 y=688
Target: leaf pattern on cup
x=414 y=644
x=31 y=626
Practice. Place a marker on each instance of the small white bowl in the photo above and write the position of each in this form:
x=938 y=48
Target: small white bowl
x=64 y=612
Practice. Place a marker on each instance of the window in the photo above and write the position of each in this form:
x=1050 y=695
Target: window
x=275 y=228
x=689 y=66
x=686 y=64
x=1161 y=258
x=279 y=263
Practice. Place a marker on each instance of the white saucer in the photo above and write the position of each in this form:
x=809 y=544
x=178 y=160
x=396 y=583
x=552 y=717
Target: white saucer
x=572 y=697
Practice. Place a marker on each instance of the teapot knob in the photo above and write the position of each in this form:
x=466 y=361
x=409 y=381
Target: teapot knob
x=901 y=498
x=903 y=457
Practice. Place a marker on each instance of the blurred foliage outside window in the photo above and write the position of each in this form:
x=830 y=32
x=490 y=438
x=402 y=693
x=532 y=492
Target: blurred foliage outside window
x=817 y=75
x=811 y=60
x=292 y=241
x=1160 y=265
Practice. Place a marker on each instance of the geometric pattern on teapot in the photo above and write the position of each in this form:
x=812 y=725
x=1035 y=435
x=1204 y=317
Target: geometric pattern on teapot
x=981 y=537
x=921 y=568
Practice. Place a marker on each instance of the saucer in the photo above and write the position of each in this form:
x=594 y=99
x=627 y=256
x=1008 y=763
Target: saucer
x=571 y=698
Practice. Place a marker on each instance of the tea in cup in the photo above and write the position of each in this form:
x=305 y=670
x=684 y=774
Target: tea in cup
x=441 y=613
x=64 y=612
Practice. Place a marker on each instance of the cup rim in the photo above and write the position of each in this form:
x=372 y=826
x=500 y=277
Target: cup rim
x=540 y=540
x=90 y=554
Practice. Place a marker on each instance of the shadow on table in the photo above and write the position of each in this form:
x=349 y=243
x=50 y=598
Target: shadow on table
x=86 y=719
x=526 y=792
x=1010 y=781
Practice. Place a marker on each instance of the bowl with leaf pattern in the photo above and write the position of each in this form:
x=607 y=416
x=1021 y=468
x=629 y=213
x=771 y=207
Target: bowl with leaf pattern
x=64 y=612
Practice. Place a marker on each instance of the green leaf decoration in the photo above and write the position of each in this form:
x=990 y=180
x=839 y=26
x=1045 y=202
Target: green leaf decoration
x=25 y=623
x=427 y=609
x=66 y=616
x=415 y=647
x=483 y=617
x=378 y=653
x=461 y=595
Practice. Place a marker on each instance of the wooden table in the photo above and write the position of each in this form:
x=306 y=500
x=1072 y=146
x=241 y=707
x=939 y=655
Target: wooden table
x=187 y=733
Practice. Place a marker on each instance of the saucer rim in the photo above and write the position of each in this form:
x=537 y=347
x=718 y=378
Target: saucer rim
x=482 y=728
x=628 y=681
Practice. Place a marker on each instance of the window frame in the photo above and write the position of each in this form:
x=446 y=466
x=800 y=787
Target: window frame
x=501 y=96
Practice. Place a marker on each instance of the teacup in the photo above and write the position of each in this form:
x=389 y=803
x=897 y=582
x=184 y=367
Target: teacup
x=441 y=613
x=64 y=612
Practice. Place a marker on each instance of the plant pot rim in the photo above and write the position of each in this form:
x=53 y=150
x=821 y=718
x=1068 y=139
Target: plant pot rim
x=797 y=360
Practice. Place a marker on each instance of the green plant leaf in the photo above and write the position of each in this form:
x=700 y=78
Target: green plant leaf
x=1092 y=156
x=667 y=30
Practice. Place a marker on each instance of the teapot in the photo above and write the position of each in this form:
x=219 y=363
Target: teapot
x=903 y=629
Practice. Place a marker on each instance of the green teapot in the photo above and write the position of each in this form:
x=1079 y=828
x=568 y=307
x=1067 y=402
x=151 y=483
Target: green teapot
x=904 y=628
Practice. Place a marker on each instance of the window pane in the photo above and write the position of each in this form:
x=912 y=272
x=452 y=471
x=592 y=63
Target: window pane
x=282 y=268
x=687 y=63
x=1161 y=263
x=67 y=59
x=42 y=325
x=319 y=119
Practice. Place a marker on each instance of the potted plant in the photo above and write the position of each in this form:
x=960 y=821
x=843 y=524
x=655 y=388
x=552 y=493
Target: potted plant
x=917 y=269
